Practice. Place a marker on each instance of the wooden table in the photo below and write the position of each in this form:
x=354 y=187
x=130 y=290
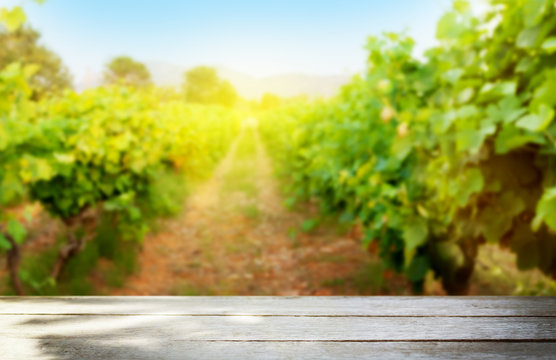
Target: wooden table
x=277 y=327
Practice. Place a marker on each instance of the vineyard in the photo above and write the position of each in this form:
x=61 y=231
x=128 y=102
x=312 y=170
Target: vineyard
x=437 y=157
x=411 y=170
x=94 y=159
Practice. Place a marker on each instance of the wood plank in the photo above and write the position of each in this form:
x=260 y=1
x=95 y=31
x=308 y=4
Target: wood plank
x=285 y=306
x=277 y=328
x=257 y=328
x=94 y=349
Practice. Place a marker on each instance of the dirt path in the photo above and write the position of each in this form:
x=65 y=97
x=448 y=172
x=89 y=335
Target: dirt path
x=236 y=238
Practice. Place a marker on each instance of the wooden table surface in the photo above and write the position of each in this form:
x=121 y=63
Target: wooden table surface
x=277 y=327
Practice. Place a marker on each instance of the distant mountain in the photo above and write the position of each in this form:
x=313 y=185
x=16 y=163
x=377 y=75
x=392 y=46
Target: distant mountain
x=90 y=80
x=165 y=74
x=252 y=87
x=286 y=85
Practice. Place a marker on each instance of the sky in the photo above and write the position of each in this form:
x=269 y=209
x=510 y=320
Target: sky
x=256 y=37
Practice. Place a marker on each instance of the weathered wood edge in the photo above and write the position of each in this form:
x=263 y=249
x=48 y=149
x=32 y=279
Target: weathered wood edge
x=540 y=329
x=283 y=306
x=89 y=349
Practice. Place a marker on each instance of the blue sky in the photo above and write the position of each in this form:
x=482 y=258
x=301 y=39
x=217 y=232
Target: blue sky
x=261 y=38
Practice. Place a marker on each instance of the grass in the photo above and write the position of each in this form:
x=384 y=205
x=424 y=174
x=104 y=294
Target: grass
x=251 y=211
x=330 y=258
x=237 y=180
x=335 y=282
x=240 y=177
x=192 y=290
x=247 y=148
x=242 y=245
x=238 y=246
x=206 y=244
x=35 y=270
x=367 y=280
x=163 y=199
x=221 y=288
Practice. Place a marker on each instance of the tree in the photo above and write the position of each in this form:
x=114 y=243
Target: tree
x=269 y=101
x=22 y=46
x=203 y=85
x=126 y=71
x=227 y=95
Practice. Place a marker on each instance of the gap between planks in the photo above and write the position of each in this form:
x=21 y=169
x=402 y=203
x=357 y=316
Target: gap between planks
x=275 y=315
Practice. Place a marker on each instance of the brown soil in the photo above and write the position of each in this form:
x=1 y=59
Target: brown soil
x=234 y=242
x=235 y=237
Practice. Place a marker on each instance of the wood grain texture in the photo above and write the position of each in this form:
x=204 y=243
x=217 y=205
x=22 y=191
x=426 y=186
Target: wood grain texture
x=252 y=328
x=277 y=327
x=93 y=349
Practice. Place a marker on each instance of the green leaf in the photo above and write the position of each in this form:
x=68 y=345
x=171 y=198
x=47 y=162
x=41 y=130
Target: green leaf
x=465 y=95
x=34 y=169
x=290 y=202
x=538 y=121
x=461 y=6
x=417 y=269
x=134 y=213
x=534 y=10
x=510 y=109
x=13 y=19
x=469 y=140
x=510 y=138
x=470 y=182
x=309 y=225
x=492 y=91
x=507 y=111
x=546 y=210
x=549 y=44
x=528 y=37
x=467 y=111
x=64 y=158
x=4 y=137
x=545 y=94
x=525 y=65
x=16 y=231
x=28 y=214
x=449 y=27
x=402 y=147
x=120 y=202
x=292 y=233
x=415 y=233
x=453 y=75
x=4 y=243
x=107 y=188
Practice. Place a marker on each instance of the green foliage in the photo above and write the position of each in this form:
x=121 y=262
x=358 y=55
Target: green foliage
x=108 y=144
x=165 y=196
x=16 y=231
x=436 y=157
x=22 y=45
x=269 y=101
x=106 y=149
x=102 y=150
x=12 y=19
x=123 y=70
x=203 y=85
x=546 y=209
